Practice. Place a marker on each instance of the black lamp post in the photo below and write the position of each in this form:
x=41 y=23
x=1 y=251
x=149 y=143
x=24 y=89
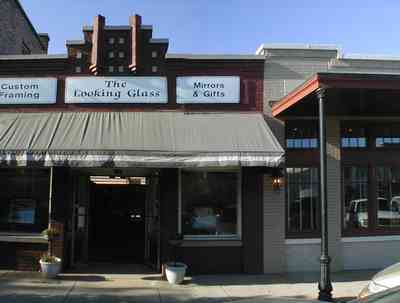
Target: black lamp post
x=324 y=285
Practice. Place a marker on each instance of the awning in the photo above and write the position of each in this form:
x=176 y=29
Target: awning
x=137 y=139
x=346 y=94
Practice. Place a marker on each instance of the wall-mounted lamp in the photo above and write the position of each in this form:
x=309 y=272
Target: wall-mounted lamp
x=277 y=179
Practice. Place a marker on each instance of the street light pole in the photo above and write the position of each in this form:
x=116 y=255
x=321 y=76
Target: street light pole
x=324 y=285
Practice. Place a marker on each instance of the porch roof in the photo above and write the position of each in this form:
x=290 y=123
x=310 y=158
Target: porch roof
x=347 y=94
x=142 y=139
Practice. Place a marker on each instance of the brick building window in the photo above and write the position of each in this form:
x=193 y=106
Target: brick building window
x=24 y=199
x=154 y=69
x=121 y=40
x=121 y=54
x=210 y=204
x=111 y=69
x=120 y=69
x=302 y=201
x=25 y=50
x=78 y=69
x=111 y=55
x=111 y=40
x=78 y=55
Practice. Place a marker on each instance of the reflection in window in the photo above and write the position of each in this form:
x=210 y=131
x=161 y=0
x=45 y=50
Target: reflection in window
x=24 y=199
x=209 y=203
x=388 y=197
x=303 y=204
x=22 y=211
x=353 y=137
x=302 y=136
x=355 y=193
x=387 y=135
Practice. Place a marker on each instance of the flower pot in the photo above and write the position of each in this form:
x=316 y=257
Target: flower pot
x=175 y=272
x=51 y=269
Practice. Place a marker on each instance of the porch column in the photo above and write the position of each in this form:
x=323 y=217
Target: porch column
x=324 y=285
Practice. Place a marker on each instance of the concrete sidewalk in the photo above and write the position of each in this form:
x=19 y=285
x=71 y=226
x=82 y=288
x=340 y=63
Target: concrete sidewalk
x=127 y=287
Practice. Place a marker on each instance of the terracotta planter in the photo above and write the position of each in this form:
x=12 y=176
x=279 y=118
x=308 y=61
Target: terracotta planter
x=51 y=269
x=175 y=272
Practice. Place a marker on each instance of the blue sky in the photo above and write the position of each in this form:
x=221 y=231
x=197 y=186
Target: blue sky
x=233 y=26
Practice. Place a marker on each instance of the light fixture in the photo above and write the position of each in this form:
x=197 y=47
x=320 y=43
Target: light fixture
x=277 y=179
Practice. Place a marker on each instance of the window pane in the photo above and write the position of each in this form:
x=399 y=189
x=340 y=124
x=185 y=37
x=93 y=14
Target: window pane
x=388 y=197
x=355 y=193
x=303 y=210
x=209 y=203
x=301 y=135
x=24 y=199
x=353 y=137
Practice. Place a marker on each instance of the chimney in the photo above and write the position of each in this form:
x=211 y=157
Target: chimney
x=97 y=57
x=135 y=22
x=44 y=39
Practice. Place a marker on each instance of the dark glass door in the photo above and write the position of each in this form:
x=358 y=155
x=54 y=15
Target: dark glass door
x=117 y=221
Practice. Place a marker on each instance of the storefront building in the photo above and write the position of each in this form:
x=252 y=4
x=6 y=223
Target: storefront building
x=361 y=110
x=18 y=35
x=121 y=146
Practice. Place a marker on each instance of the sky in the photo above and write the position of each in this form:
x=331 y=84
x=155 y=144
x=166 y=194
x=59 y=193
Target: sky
x=363 y=27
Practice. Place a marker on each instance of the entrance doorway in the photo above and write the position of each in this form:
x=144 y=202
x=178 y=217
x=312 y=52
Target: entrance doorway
x=117 y=223
x=115 y=220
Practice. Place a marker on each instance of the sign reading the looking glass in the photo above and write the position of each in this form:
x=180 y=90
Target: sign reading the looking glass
x=205 y=89
x=28 y=91
x=116 y=90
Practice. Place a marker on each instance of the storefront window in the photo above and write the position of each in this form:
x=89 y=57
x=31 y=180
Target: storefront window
x=24 y=199
x=387 y=135
x=210 y=203
x=302 y=135
x=303 y=203
x=355 y=193
x=388 y=197
x=353 y=137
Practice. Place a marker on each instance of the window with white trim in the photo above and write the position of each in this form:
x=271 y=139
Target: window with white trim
x=210 y=204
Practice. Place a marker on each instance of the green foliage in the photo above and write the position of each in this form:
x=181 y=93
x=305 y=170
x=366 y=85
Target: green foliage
x=49 y=258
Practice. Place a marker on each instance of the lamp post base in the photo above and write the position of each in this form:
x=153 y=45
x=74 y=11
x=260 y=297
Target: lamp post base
x=325 y=285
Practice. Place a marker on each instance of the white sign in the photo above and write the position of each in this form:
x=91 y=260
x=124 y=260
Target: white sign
x=116 y=90
x=206 y=89
x=28 y=90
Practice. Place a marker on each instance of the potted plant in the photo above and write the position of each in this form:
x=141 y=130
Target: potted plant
x=50 y=265
x=175 y=271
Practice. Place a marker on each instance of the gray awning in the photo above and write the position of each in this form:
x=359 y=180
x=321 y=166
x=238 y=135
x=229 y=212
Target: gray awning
x=142 y=139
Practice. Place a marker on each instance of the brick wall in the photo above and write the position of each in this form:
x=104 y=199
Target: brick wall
x=21 y=256
x=16 y=30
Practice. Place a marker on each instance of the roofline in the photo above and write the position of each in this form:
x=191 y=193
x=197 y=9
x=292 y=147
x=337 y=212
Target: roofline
x=34 y=57
x=89 y=28
x=296 y=95
x=214 y=57
x=30 y=24
x=75 y=42
x=158 y=40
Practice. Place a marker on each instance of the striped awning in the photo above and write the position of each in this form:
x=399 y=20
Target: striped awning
x=137 y=139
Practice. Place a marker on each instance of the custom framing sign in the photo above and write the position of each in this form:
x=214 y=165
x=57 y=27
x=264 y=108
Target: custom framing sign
x=208 y=89
x=116 y=90
x=16 y=91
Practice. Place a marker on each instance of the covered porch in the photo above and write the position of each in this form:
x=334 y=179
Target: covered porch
x=355 y=147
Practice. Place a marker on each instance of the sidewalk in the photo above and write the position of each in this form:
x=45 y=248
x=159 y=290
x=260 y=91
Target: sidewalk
x=18 y=287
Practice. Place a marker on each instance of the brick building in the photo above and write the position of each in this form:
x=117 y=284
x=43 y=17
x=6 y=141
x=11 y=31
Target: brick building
x=127 y=145
x=17 y=34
